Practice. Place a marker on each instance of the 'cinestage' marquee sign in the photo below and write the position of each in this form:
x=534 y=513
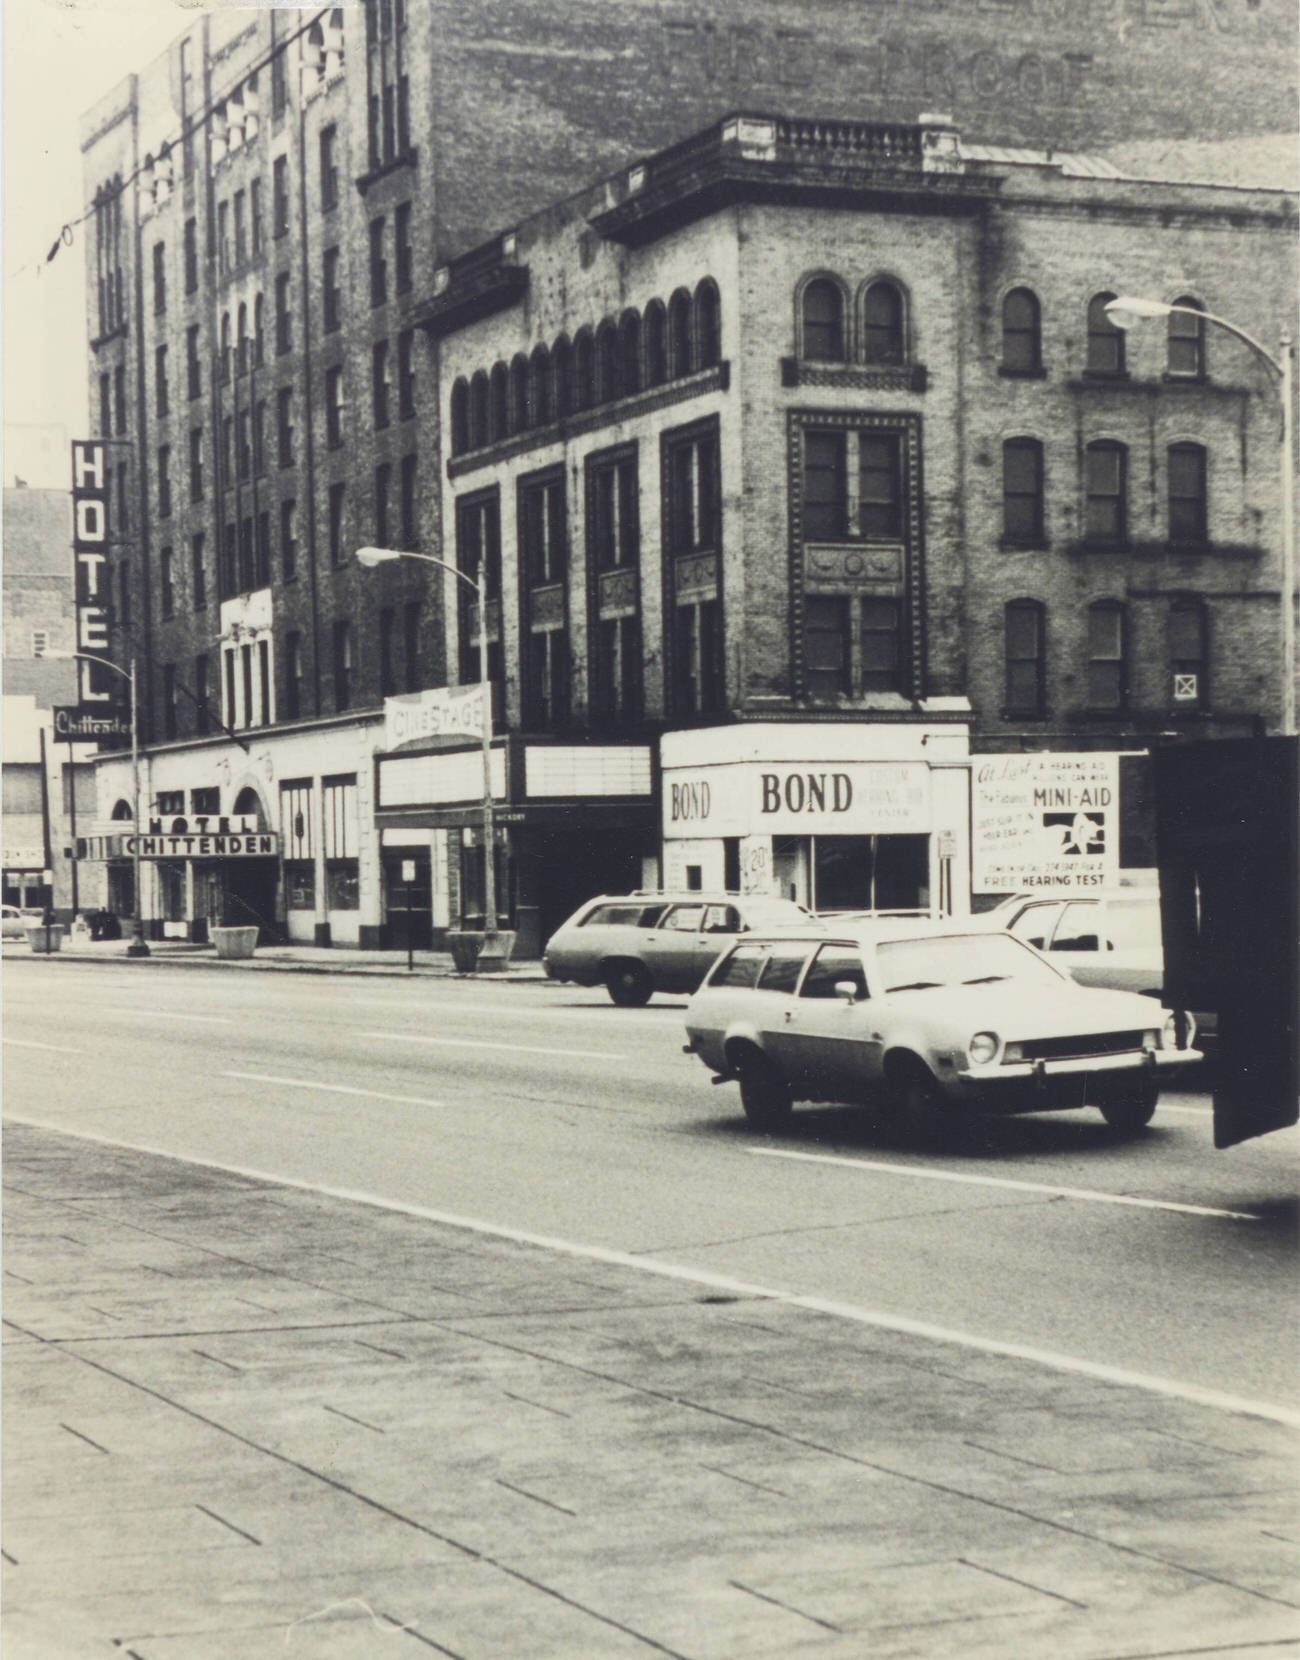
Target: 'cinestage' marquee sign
x=95 y=683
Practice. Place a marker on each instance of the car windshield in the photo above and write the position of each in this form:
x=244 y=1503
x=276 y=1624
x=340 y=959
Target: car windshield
x=960 y=960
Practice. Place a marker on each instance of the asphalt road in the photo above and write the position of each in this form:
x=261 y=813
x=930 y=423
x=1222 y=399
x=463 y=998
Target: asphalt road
x=542 y=1108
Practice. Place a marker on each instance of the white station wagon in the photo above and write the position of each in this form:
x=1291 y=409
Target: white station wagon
x=937 y=1021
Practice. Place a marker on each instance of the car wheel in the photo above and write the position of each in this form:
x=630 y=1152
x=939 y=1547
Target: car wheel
x=628 y=984
x=1130 y=1106
x=764 y=1093
x=918 y=1100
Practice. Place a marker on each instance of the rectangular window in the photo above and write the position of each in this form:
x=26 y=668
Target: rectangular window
x=406 y=374
x=169 y=700
x=196 y=463
x=244 y=444
x=124 y=594
x=543 y=564
x=162 y=400
x=379 y=382
x=403 y=114
x=227 y=451
x=288 y=541
x=613 y=513
x=693 y=494
x=618 y=671
x=879 y=486
x=411 y=644
x=383 y=491
x=1022 y=492
x=264 y=679
x=259 y=438
x=343 y=665
x=159 y=278
x=881 y=629
x=223 y=237
x=284 y=426
x=263 y=572
x=409 y=508
x=378 y=264
x=164 y=481
x=852 y=486
x=119 y=400
x=293 y=676
x=246 y=556
x=478 y=549
x=697 y=656
x=241 y=227
x=334 y=406
x=824 y=499
x=332 y=297
x=1104 y=523
x=329 y=171
x=229 y=562
x=1106 y=657
x=405 y=253
x=1187 y=655
x=123 y=515
x=283 y=321
x=198 y=571
x=387 y=628
x=280 y=194
x=544 y=552
x=256 y=228
x=279 y=83
x=202 y=717
x=246 y=677
x=1187 y=495
x=167 y=582
x=336 y=503
x=232 y=709
x=105 y=406
x=191 y=256
x=193 y=364
x=826 y=644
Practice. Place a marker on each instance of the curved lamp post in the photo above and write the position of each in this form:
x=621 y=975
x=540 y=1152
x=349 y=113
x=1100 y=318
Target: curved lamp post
x=137 y=947
x=383 y=556
x=1125 y=312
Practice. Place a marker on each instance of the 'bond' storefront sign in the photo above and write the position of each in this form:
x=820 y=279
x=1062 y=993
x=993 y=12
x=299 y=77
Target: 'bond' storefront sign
x=853 y=798
x=1045 y=821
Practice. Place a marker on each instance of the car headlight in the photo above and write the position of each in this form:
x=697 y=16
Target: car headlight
x=982 y=1048
x=1013 y=1052
x=1178 y=1031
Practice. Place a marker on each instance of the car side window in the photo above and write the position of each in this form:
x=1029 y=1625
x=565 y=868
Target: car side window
x=684 y=919
x=1034 y=924
x=781 y=972
x=613 y=915
x=740 y=967
x=834 y=963
x=721 y=919
x=1078 y=929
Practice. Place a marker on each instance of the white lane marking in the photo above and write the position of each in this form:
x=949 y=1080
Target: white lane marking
x=1198 y=1112
x=475 y=1043
x=1091 y=1193
x=54 y=1048
x=1172 y=1388
x=171 y=1014
x=334 y=1089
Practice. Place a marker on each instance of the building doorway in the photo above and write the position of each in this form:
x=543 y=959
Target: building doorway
x=408 y=899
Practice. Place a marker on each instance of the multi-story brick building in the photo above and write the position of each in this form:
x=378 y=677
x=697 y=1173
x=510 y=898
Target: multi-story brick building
x=271 y=198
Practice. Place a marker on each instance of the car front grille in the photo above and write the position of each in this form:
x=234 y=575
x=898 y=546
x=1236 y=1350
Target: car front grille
x=1079 y=1048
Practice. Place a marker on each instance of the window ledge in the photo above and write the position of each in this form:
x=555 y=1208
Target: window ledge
x=1012 y=713
x=1103 y=376
x=1005 y=373
x=1171 y=379
x=881 y=377
x=1163 y=549
x=1025 y=544
x=408 y=158
x=119 y=333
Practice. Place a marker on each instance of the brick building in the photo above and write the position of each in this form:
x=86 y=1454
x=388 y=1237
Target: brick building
x=271 y=198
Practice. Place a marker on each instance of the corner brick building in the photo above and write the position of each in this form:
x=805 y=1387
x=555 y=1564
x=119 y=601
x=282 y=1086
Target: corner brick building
x=797 y=448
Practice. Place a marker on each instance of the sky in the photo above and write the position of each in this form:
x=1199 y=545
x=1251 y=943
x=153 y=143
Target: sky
x=59 y=58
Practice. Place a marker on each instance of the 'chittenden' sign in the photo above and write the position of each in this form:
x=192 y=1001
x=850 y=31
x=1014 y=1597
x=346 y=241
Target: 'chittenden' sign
x=260 y=845
x=441 y=712
x=72 y=724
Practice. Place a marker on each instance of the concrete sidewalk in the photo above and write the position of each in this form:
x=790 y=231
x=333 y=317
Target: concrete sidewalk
x=244 y=1419
x=302 y=959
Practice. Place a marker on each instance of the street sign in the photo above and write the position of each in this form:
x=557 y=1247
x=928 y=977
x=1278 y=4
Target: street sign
x=74 y=723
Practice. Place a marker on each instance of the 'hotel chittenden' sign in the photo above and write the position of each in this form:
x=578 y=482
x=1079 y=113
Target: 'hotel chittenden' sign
x=95 y=683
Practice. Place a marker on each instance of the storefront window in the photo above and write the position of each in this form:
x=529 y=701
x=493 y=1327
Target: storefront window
x=300 y=885
x=171 y=885
x=342 y=885
x=871 y=873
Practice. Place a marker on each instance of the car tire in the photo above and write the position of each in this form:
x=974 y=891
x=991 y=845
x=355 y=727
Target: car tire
x=1130 y=1107
x=628 y=984
x=764 y=1093
x=917 y=1099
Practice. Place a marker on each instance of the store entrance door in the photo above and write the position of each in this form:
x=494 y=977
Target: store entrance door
x=408 y=902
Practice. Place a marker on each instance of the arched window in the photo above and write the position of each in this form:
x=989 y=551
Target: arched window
x=460 y=417
x=259 y=329
x=478 y=410
x=498 y=407
x=1188 y=519
x=1188 y=642
x=539 y=387
x=122 y=810
x=629 y=330
x=1025 y=649
x=584 y=370
x=1022 y=333
x=520 y=404
x=1107 y=667
x=655 y=334
x=241 y=340
x=679 y=334
x=609 y=363
x=822 y=321
x=1106 y=490
x=1105 y=341
x=708 y=325
x=1022 y=492
x=562 y=367
x=1187 y=341
x=248 y=804
x=225 y=347
x=883 y=336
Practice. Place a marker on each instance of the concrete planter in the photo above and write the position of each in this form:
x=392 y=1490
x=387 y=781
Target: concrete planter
x=234 y=942
x=463 y=943
x=44 y=939
x=475 y=952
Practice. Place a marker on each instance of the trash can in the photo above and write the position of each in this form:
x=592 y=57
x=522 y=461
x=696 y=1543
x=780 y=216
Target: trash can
x=45 y=937
x=234 y=942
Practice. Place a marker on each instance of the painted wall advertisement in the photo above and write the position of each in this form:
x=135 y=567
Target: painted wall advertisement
x=1044 y=821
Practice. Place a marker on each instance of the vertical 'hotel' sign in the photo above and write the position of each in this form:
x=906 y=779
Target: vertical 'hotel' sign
x=90 y=552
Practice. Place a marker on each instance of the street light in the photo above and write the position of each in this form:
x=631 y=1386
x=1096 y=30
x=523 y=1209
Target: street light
x=383 y=556
x=1129 y=309
x=137 y=947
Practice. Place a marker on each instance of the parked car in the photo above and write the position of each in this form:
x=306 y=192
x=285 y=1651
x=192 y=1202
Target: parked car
x=938 y=1021
x=635 y=944
x=15 y=922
